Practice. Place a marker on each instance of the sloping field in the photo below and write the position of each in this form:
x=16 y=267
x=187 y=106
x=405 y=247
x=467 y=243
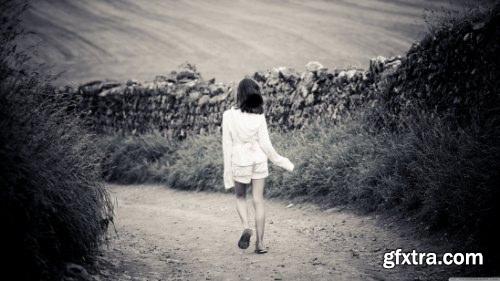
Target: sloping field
x=226 y=39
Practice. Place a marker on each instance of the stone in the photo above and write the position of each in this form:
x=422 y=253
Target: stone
x=275 y=72
x=194 y=96
x=351 y=73
x=185 y=76
x=187 y=72
x=355 y=253
x=194 y=105
x=203 y=100
x=132 y=82
x=160 y=78
x=109 y=84
x=342 y=75
x=307 y=78
x=377 y=64
x=78 y=272
x=314 y=66
x=273 y=81
x=309 y=100
x=304 y=92
x=259 y=77
x=393 y=65
x=286 y=73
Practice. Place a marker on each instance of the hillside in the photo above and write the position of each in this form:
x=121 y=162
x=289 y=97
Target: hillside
x=122 y=39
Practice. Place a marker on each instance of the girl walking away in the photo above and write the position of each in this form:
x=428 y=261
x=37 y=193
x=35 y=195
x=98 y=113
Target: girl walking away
x=246 y=148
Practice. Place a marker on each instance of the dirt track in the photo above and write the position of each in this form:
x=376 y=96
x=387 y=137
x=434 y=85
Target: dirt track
x=226 y=39
x=173 y=235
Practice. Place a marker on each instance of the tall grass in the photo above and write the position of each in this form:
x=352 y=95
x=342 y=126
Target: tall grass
x=136 y=159
x=193 y=164
x=441 y=174
x=53 y=207
x=198 y=165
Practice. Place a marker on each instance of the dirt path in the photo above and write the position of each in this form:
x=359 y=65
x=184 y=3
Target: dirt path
x=166 y=234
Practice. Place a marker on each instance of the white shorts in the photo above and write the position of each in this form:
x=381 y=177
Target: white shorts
x=245 y=174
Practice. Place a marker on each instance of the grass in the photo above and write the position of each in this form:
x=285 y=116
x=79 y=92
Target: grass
x=130 y=159
x=430 y=169
x=53 y=206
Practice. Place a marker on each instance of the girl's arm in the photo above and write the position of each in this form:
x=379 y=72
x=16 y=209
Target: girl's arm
x=267 y=147
x=227 y=145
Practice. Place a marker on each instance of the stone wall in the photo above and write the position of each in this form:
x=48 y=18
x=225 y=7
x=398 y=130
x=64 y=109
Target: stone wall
x=182 y=102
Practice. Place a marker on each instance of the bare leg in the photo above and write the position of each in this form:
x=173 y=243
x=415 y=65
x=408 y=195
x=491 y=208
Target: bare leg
x=260 y=214
x=240 y=190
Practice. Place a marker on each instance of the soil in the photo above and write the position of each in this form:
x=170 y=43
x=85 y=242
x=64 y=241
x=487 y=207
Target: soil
x=166 y=234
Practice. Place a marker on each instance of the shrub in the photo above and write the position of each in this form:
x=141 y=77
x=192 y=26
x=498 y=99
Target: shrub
x=451 y=72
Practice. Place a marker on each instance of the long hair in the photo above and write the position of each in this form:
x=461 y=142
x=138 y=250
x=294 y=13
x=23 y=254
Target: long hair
x=249 y=98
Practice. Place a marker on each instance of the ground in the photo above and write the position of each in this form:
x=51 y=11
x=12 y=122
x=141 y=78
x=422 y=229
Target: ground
x=226 y=39
x=165 y=234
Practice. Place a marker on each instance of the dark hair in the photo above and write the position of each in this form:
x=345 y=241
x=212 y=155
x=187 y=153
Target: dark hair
x=249 y=98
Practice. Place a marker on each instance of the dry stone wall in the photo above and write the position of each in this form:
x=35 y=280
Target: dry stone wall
x=183 y=103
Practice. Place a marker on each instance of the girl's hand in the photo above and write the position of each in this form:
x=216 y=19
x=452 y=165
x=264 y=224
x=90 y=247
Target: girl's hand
x=288 y=165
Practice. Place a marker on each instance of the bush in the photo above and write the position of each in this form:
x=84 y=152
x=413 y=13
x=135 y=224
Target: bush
x=451 y=72
x=52 y=205
x=136 y=159
x=193 y=164
x=198 y=165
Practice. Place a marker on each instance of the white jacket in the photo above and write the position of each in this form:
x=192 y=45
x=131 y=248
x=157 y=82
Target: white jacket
x=245 y=141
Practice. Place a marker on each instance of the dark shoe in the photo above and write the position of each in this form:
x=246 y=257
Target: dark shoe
x=260 y=251
x=245 y=239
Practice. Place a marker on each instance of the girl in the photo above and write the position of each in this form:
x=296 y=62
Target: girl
x=246 y=147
